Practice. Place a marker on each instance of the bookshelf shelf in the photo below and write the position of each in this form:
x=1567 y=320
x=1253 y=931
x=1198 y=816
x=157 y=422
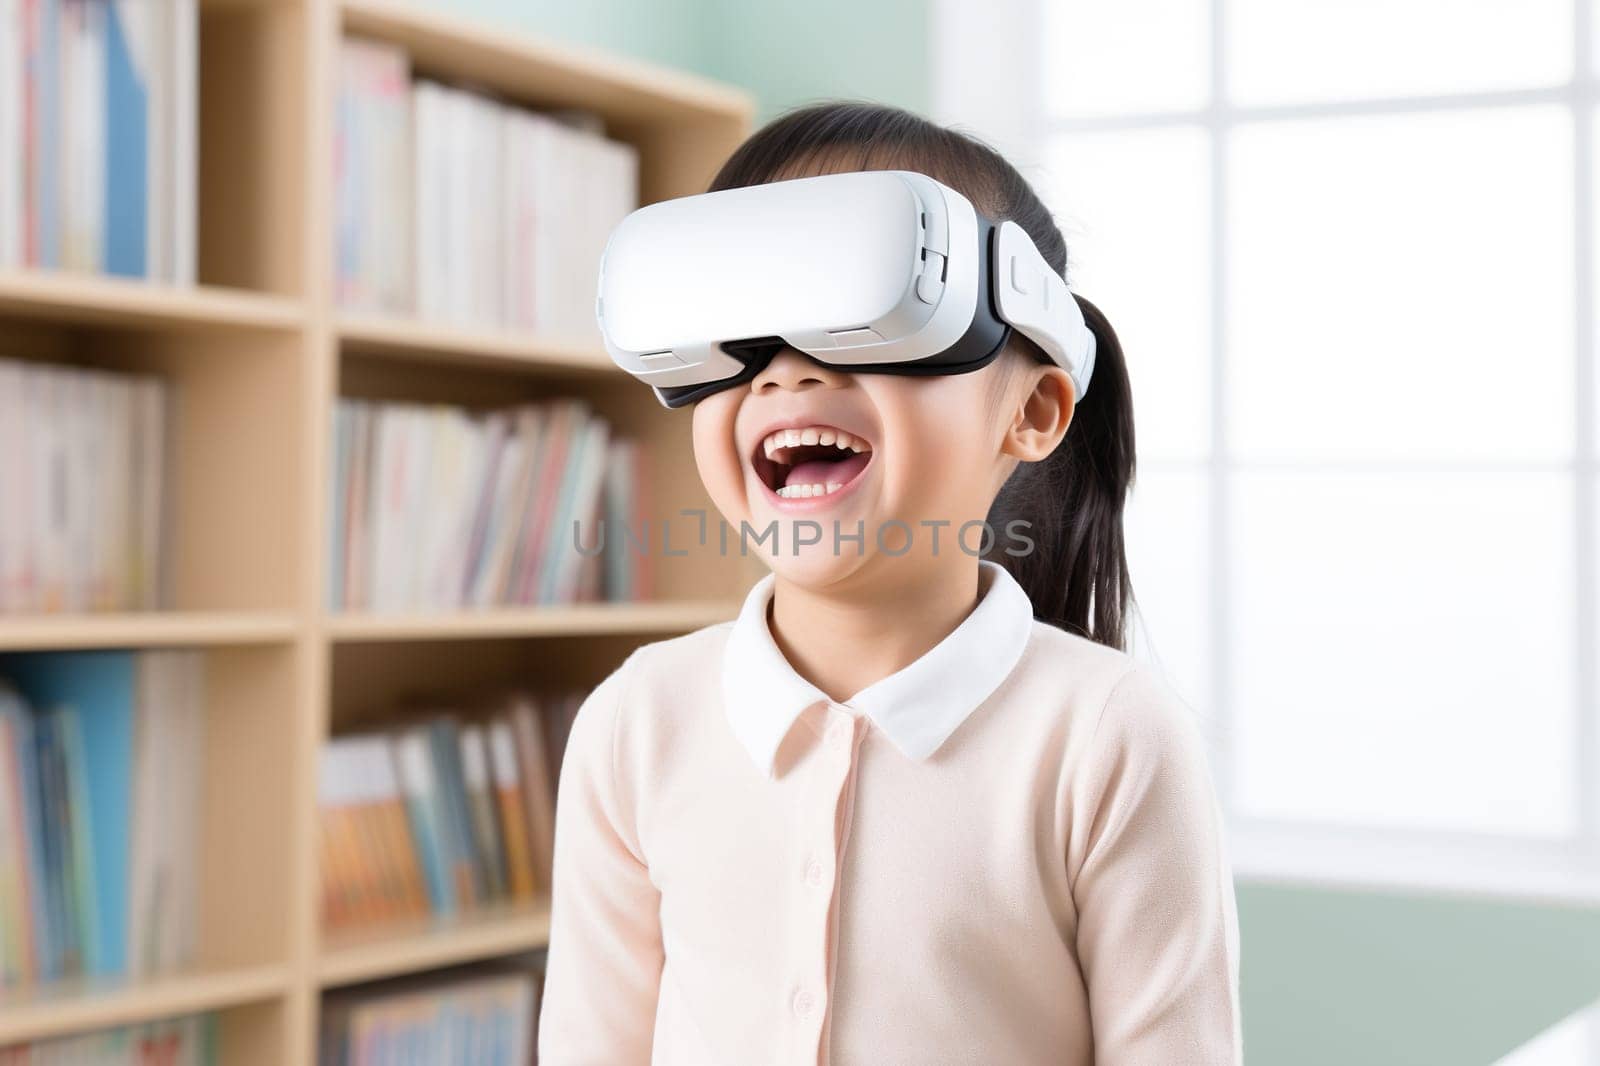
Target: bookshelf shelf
x=72 y=1006
x=151 y=629
x=446 y=343
x=406 y=949
x=83 y=298
x=561 y=75
x=598 y=619
x=257 y=357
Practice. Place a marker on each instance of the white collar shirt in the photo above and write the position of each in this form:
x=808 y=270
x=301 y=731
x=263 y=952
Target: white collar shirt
x=1008 y=852
x=917 y=708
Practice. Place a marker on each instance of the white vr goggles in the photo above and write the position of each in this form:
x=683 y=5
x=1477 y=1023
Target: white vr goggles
x=884 y=271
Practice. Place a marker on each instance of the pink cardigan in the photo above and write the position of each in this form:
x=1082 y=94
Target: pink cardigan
x=1009 y=853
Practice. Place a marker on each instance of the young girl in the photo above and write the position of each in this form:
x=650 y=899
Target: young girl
x=915 y=806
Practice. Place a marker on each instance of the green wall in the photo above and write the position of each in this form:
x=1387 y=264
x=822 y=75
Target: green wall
x=785 y=53
x=795 y=53
x=1329 y=978
x=1334 y=978
x=662 y=31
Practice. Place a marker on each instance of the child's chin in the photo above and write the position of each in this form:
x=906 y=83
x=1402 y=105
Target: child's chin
x=815 y=565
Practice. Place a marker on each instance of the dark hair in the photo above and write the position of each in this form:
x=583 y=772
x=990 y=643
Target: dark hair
x=1077 y=573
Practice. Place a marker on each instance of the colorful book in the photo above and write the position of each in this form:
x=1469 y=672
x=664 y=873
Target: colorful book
x=97 y=691
x=128 y=71
x=425 y=809
x=511 y=805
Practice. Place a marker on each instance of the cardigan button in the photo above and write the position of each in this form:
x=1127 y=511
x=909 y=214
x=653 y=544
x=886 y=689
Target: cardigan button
x=814 y=873
x=803 y=1003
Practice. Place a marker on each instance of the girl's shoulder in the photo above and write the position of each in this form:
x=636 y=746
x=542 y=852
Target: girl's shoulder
x=697 y=652
x=659 y=678
x=1081 y=671
x=1066 y=647
x=1118 y=698
x=658 y=691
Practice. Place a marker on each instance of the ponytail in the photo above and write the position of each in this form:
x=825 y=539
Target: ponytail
x=1076 y=574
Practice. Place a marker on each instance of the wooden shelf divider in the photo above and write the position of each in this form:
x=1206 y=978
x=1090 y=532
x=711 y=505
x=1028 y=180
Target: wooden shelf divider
x=445 y=342
x=74 y=299
x=73 y=1006
x=586 y=619
x=148 y=629
x=428 y=945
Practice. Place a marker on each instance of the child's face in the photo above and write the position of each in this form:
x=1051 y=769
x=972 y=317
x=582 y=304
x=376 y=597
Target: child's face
x=928 y=452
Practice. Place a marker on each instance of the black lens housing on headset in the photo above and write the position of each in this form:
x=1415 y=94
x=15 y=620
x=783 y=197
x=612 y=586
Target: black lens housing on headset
x=983 y=341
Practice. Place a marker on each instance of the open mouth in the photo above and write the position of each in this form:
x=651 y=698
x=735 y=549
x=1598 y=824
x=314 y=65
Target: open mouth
x=810 y=461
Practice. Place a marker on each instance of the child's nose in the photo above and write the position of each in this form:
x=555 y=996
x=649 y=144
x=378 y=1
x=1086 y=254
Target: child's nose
x=792 y=369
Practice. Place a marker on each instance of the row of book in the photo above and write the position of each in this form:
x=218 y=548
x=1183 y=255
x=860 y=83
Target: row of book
x=434 y=506
x=100 y=757
x=444 y=812
x=438 y=507
x=98 y=115
x=82 y=481
x=485 y=1016
x=456 y=206
x=190 y=1040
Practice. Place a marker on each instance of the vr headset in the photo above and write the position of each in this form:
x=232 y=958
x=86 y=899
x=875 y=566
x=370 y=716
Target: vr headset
x=882 y=271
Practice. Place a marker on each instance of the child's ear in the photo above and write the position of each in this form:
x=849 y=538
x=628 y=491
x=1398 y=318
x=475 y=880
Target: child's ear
x=1041 y=414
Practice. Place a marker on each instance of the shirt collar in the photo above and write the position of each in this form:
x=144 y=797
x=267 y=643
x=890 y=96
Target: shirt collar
x=917 y=707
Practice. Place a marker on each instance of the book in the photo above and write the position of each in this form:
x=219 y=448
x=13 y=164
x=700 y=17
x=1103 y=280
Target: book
x=83 y=489
x=98 y=113
x=99 y=812
x=129 y=68
x=169 y=741
x=437 y=507
x=372 y=188
x=35 y=955
x=465 y=865
x=482 y=805
x=445 y=808
x=512 y=808
x=539 y=786
x=14 y=76
x=425 y=813
x=503 y=212
x=93 y=694
x=191 y=1040
x=19 y=843
x=487 y=1014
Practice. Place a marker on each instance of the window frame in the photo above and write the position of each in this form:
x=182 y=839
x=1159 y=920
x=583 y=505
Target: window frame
x=1004 y=104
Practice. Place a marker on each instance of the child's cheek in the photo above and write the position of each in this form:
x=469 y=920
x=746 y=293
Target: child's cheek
x=938 y=446
x=716 y=454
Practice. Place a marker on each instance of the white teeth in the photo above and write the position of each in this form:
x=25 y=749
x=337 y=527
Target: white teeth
x=791 y=438
x=790 y=492
x=781 y=439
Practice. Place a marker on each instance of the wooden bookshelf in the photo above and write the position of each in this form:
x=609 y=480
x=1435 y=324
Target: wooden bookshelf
x=258 y=354
x=79 y=298
x=379 y=953
x=596 y=619
x=73 y=1006
x=432 y=343
x=150 y=629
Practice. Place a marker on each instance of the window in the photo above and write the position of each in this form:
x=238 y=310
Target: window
x=1349 y=250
